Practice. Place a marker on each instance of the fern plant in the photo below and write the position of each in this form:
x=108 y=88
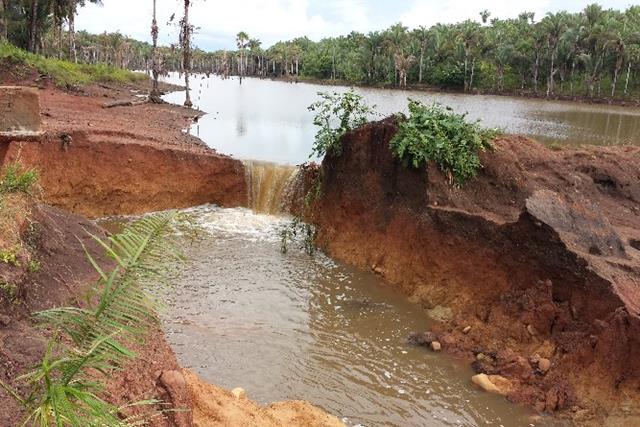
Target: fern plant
x=436 y=133
x=88 y=341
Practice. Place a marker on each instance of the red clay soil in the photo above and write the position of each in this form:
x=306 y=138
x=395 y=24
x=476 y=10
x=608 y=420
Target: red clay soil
x=539 y=255
x=54 y=238
x=123 y=160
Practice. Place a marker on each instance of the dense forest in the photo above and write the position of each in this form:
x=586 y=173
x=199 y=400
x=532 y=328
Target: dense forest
x=593 y=53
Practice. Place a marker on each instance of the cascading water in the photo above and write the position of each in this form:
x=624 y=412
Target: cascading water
x=267 y=183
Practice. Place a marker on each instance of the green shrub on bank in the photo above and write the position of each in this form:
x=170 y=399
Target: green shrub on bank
x=15 y=180
x=335 y=115
x=436 y=133
x=66 y=73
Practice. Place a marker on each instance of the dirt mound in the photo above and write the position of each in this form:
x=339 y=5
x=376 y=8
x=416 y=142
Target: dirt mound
x=126 y=160
x=214 y=406
x=536 y=255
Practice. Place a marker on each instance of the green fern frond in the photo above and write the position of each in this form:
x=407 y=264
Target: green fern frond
x=126 y=300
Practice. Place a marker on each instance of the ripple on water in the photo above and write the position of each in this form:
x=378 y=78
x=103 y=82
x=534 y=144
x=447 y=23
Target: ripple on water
x=290 y=326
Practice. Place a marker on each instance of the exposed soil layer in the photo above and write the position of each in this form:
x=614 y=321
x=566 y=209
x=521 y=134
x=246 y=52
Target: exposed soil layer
x=123 y=160
x=538 y=256
x=55 y=239
x=216 y=407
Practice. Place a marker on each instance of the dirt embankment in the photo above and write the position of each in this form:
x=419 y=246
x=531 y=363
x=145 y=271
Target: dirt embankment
x=539 y=256
x=123 y=160
x=51 y=269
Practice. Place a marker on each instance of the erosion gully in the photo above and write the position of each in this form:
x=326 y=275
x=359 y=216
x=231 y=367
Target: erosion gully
x=294 y=326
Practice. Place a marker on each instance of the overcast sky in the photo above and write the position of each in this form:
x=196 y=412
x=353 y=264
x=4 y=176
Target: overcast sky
x=273 y=20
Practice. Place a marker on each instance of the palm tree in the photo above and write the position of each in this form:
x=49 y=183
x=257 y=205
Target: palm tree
x=185 y=42
x=555 y=24
x=242 y=41
x=155 y=67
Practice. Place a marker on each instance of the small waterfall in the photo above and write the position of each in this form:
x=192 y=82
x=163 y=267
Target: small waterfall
x=267 y=183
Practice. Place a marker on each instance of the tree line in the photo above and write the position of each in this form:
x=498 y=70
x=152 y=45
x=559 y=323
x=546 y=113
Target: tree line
x=593 y=53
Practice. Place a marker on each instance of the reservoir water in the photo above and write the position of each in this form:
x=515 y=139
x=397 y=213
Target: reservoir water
x=268 y=120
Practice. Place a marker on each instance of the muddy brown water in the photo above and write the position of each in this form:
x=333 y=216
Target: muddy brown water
x=268 y=120
x=294 y=326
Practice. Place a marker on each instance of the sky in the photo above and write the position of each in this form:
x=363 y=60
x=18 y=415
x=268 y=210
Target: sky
x=218 y=21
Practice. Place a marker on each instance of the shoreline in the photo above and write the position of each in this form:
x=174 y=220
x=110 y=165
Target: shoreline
x=630 y=103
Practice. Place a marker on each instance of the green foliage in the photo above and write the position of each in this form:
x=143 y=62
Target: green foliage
x=9 y=256
x=66 y=73
x=8 y=293
x=33 y=266
x=16 y=180
x=298 y=231
x=335 y=115
x=62 y=389
x=435 y=133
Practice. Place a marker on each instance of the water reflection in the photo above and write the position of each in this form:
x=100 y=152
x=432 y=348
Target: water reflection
x=268 y=120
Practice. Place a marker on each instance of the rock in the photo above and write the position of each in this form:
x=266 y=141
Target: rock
x=544 y=364
x=178 y=395
x=546 y=350
x=440 y=313
x=436 y=346
x=532 y=330
x=4 y=320
x=19 y=111
x=239 y=393
x=466 y=330
x=482 y=381
x=422 y=338
x=493 y=383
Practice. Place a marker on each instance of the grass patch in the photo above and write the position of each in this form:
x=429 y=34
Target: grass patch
x=436 y=133
x=66 y=73
x=16 y=180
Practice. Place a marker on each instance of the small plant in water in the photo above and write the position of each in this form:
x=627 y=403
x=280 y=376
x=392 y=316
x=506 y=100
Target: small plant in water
x=434 y=132
x=335 y=115
x=298 y=231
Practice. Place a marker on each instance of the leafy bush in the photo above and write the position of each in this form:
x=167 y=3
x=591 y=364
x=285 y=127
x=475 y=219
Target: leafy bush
x=446 y=75
x=437 y=133
x=62 y=390
x=336 y=114
x=15 y=180
x=66 y=73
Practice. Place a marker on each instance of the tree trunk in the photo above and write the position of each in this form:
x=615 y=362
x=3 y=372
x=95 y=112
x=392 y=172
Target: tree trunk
x=466 y=66
x=473 y=69
x=33 y=27
x=3 y=21
x=186 y=59
x=535 y=72
x=155 y=67
x=616 y=73
x=626 y=83
x=421 y=62
x=72 y=33
x=550 y=88
x=573 y=69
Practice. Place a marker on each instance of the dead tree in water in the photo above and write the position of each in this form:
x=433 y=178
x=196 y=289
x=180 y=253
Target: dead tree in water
x=185 y=41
